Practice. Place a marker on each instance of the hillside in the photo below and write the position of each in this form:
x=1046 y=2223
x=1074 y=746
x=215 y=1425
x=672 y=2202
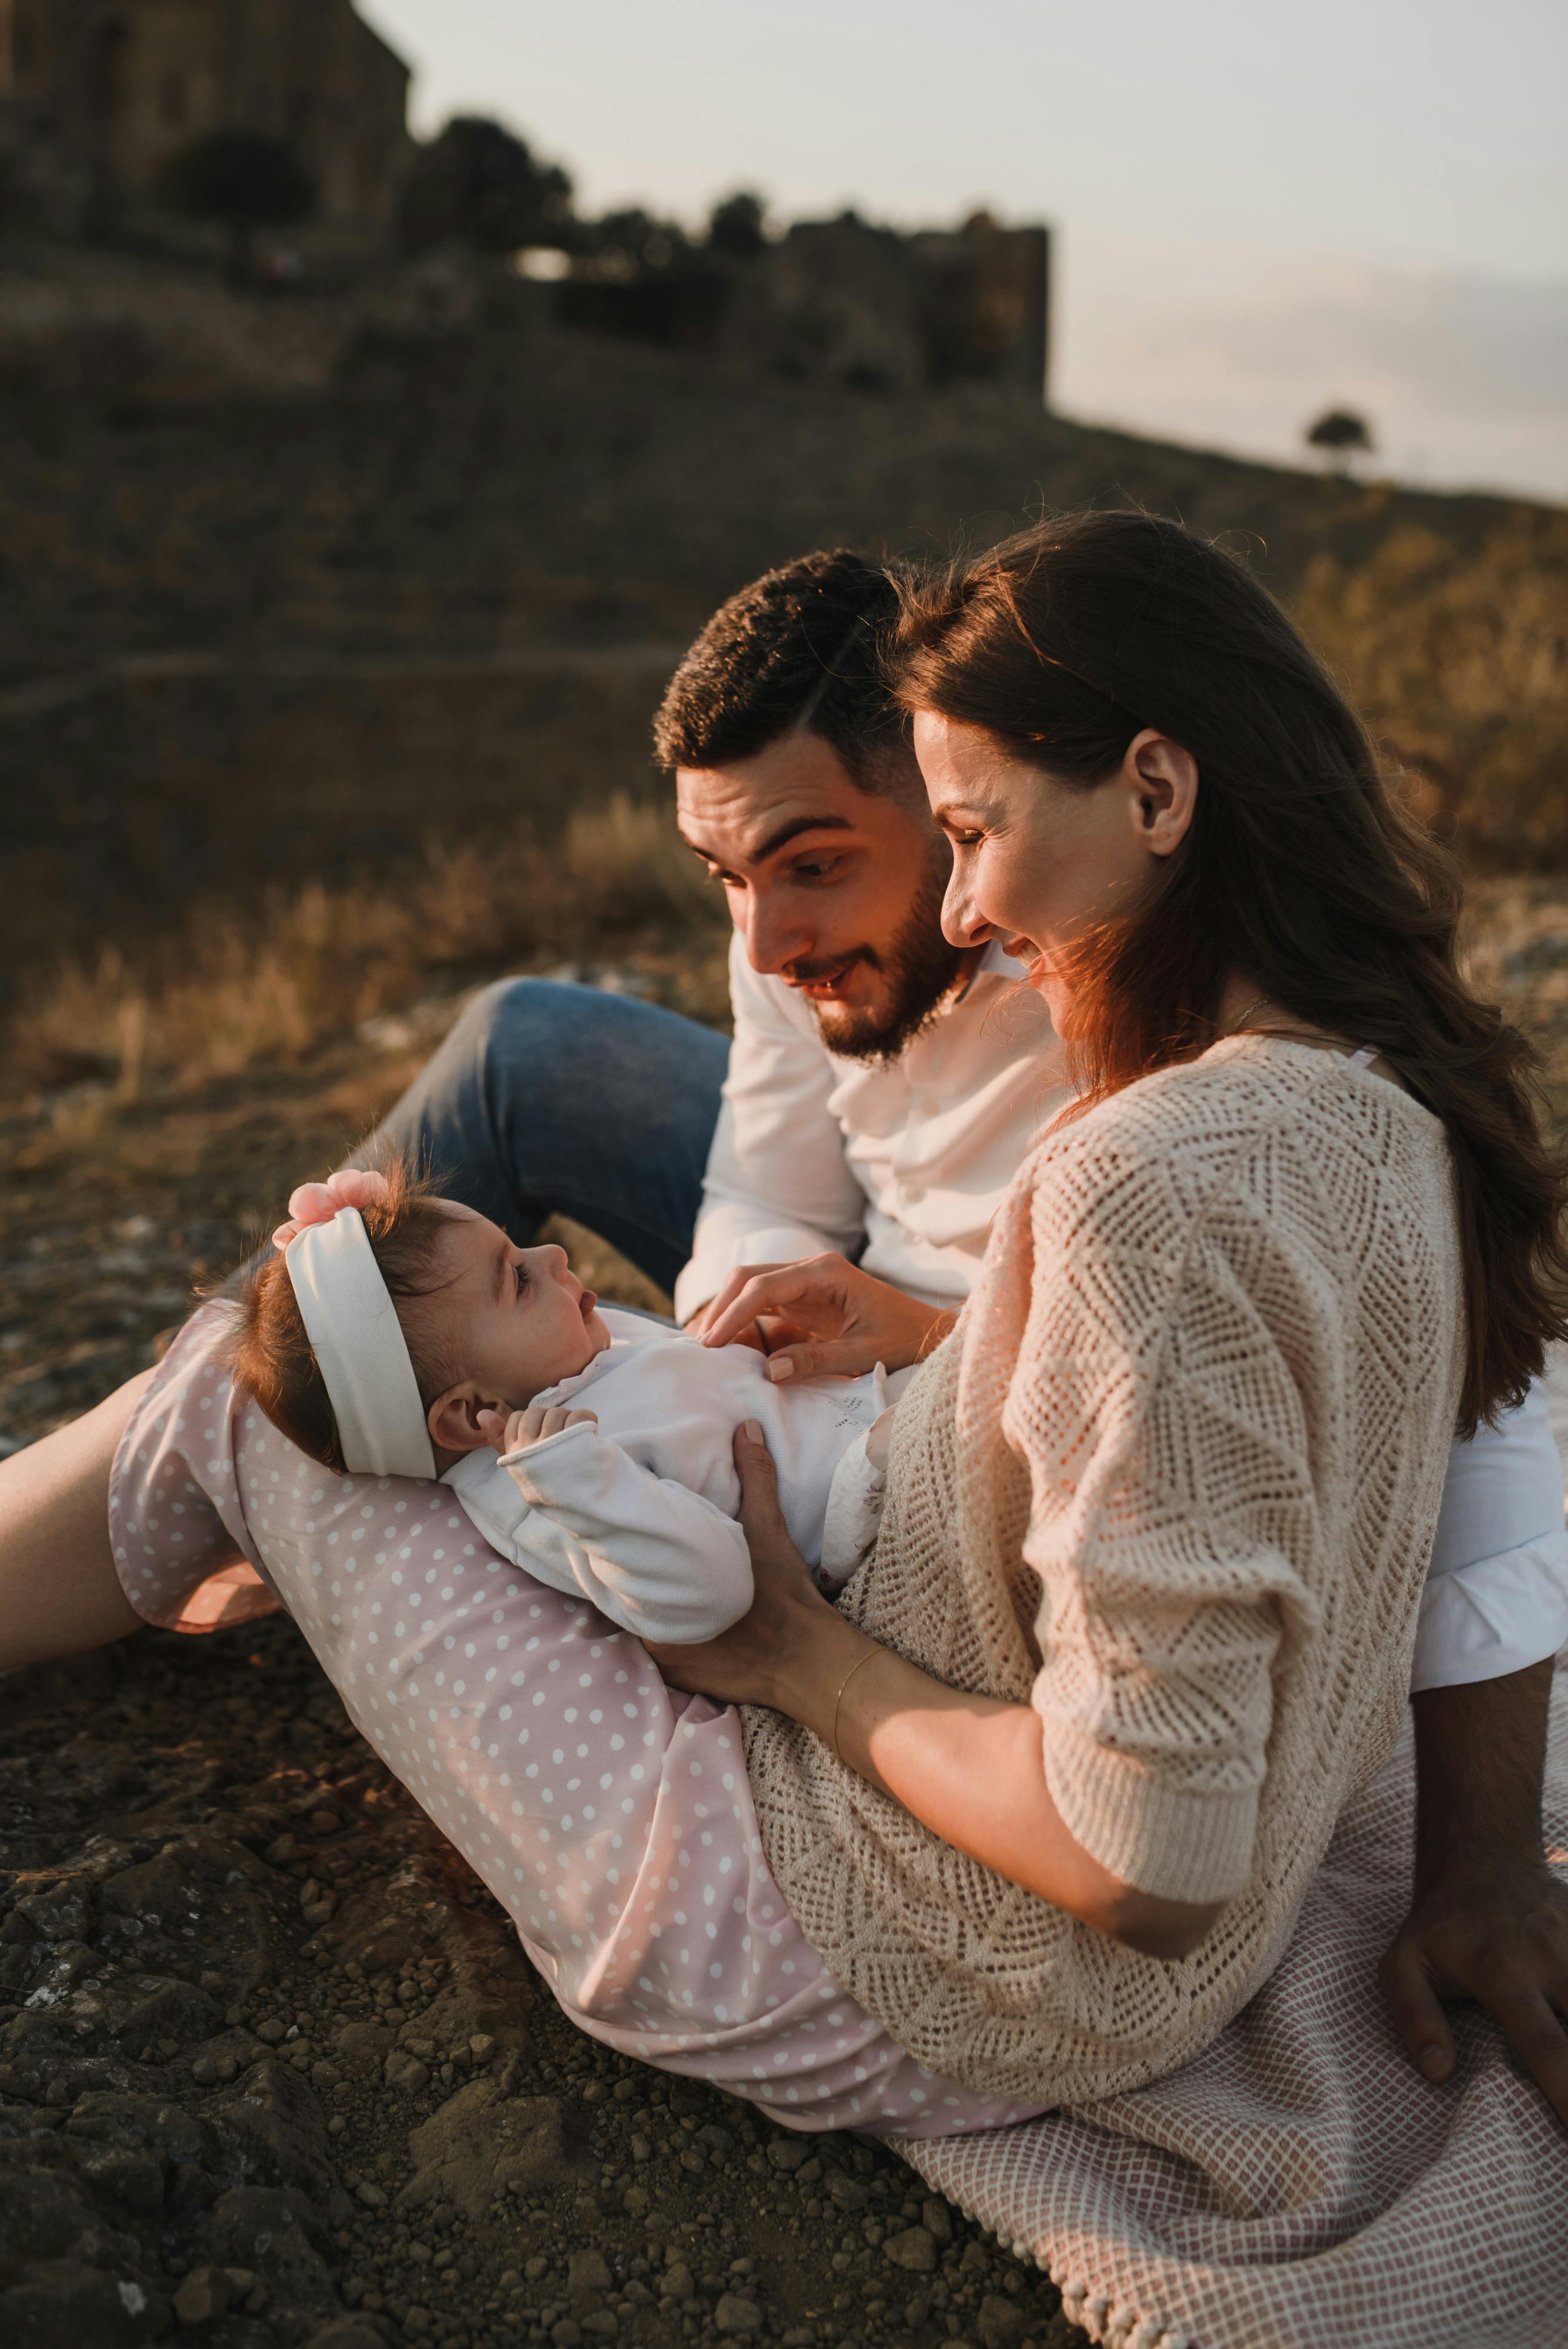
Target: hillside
x=440 y=588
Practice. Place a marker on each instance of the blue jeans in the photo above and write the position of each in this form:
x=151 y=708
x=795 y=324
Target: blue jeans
x=547 y=1099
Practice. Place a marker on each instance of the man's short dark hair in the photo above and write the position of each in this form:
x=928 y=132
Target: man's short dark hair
x=799 y=646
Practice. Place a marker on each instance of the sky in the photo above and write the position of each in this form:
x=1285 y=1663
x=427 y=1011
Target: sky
x=1259 y=210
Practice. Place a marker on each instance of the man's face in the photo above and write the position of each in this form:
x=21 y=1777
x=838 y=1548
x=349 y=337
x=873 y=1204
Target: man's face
x=836 y=891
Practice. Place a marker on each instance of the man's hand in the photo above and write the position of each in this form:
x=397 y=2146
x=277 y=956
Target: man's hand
x=1497 y=1934
x=517 y=1431
x=1488 y=1919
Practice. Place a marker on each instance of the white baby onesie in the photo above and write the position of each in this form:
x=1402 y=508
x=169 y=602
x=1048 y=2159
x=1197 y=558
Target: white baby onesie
x=640 y=1514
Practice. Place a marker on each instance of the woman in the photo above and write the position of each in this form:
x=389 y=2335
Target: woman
x=1045 y=1793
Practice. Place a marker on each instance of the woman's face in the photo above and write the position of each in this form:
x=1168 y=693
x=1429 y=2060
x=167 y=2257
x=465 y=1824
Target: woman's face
x=1037 y=865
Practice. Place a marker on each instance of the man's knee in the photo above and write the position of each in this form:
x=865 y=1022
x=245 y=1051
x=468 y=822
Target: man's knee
x=517 y=1021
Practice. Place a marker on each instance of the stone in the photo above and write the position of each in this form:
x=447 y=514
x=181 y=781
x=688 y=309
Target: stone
x=849 y=2193
x=937 y=2219
x=348 y=2333
x=736 y=2314
x=787 y=2153
x=65 y=2304
x=586 y=2272
x=1000 y=2325
x=913 y=2250
x=480 y=2143
x=370 y=2194
x=361 y=2048
x=678 y=2280
x=265 y=2229
x=406 y=2071
x=284 y=2133
x=206 y=2293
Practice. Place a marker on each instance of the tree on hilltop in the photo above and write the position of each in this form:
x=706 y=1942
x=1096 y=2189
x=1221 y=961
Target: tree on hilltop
x=1340 y=433
x=245 y=182
x=477 y=184
x=737 y=225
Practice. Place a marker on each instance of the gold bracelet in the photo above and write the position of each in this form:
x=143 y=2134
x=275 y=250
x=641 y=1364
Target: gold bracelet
x=838 y=1700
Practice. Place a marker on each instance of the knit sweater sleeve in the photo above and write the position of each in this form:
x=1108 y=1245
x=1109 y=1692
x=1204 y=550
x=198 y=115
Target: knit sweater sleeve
x=1163 y=1404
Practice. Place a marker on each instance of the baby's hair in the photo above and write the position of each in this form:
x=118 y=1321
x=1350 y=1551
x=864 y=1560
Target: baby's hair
x=271 y=1357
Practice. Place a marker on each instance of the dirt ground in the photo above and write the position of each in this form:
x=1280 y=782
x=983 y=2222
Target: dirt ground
x=273 y=2069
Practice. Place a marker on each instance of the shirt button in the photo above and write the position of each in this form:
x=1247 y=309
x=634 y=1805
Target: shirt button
x=928 y=1105
x=911 y=1192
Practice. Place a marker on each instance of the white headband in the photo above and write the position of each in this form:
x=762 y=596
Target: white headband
x=360 y=1351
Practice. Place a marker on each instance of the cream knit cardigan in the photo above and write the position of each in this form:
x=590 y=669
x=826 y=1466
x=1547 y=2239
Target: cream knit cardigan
x=1173 y=1481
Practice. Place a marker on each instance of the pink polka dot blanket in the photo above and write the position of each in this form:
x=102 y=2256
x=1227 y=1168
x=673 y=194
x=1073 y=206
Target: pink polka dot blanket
x=1297 y=2186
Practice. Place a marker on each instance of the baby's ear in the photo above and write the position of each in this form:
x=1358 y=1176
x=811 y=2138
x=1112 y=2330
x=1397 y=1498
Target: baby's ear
x=453 y=1418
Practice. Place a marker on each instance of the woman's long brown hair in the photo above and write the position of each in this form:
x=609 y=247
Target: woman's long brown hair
x=1301 y=871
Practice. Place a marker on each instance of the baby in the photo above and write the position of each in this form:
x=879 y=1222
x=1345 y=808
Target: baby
x=398 y=1333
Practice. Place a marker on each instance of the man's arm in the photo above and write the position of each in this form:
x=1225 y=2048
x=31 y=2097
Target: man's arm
x=1488 y=1919
x=778 y=1185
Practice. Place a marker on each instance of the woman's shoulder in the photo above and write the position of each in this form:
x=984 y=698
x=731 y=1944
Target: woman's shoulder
x=1188 y=1133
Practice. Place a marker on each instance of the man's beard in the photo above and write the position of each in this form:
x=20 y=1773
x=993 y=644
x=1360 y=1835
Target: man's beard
x=920 y=967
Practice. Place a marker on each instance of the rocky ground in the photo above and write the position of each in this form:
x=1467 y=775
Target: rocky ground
x=273 y=2069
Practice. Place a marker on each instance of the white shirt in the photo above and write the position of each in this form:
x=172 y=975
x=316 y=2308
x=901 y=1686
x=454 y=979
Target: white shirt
x=639 y=1515
x=814 y=1152
x=904 y=1166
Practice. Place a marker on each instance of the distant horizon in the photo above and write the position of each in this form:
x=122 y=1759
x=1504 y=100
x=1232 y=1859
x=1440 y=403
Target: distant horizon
x=1253 y=222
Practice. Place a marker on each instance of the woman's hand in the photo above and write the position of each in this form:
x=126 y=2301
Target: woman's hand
x=849 y=1322
x=759 y=1660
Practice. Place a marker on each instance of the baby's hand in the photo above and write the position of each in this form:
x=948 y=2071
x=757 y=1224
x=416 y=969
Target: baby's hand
x=522 y=1428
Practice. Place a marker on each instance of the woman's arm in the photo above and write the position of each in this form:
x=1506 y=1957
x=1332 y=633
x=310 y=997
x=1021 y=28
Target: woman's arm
x=60 y=1592
x=971 y=1768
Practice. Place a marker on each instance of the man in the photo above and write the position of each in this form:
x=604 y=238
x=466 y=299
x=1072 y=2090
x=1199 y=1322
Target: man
x=882 y=1090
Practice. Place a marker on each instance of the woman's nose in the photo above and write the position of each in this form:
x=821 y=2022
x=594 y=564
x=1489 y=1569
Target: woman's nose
x=963 y=924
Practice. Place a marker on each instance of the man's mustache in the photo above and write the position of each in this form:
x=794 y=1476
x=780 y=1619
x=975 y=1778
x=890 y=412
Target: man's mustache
x=805 y=973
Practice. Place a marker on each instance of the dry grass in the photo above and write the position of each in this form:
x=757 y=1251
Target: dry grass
x=266 y=986
x=1460 y=664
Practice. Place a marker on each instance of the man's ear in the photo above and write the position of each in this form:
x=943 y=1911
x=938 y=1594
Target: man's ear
x=453 y=1418
x=1162 y=777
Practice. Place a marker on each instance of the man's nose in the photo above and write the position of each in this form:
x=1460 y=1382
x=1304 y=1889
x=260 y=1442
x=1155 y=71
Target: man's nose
x=775 y=936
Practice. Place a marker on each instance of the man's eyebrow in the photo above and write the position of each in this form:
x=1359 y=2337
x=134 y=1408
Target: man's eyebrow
x=782 y=837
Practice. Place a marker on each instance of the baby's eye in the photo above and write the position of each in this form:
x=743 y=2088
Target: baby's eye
x=521 y=1277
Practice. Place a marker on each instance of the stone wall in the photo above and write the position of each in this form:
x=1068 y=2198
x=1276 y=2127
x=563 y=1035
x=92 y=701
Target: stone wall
x=122 y=85
x=843 y=302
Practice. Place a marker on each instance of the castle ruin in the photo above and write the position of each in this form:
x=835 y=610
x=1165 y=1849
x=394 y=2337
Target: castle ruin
x=117 y=88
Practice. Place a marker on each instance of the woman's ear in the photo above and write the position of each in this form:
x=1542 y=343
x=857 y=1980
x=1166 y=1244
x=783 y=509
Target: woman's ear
x=1162 y=782
x=453 y=1418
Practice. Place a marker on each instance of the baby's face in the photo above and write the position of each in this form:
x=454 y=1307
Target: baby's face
x=510 y=1321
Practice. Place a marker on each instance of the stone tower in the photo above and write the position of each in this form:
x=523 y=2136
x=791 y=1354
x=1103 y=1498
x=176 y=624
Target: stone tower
x=122 y=85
